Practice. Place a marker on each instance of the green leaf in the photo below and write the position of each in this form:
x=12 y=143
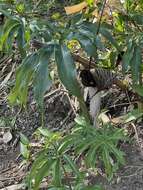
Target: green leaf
x=66 y=143
x=66 y=69
x=41 y=79
x=138 y=18
x=8 y=41
x=138 y=89
x=106 y=160
x=72 y=165
x=90 y=2
x=24 y=139
x=110 y=38
x=112 y=57
x=39 y=161
x=136 y=64
x=118 y=154
x=10 y=25
x=86 y=43
x=20 y=39
x=57 y=173
x=91 y=156
x=20 y=7
x=43 y=172
x=127 y=57
x=24 y=75
x=133 y=115
x=80 y=121
x=45 y=132
x=24 y=150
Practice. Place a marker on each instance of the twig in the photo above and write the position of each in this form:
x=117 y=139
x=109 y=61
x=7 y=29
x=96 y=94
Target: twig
x=122 y=104
x=48 y=95
x=101 y=15
x=66 y=118
x=72 y=106
x=136 y=133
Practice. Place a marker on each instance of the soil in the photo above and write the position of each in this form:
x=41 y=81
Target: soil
x=59 y=116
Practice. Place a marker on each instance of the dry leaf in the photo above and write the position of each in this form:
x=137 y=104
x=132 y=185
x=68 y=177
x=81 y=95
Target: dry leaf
x=115 y=4
x=117 y=120
x=76 y=8
x=7 y=137
x=104 y=118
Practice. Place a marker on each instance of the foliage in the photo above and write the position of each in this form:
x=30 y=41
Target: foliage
x=102 y=29
x=59 y=154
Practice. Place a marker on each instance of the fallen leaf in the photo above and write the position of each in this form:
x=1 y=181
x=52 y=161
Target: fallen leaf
x=104 y=118
x=75 y=8
x=7 y=137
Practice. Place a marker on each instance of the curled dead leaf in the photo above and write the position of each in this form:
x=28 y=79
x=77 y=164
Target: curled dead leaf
x=7 y=137
x=76 y=8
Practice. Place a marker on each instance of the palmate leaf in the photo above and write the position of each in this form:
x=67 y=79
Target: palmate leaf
x=66 y=69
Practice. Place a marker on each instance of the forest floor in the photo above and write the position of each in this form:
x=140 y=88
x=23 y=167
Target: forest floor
x=59 y=116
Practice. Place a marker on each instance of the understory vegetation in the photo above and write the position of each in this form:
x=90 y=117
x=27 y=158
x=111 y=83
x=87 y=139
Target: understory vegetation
x=88 y=48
